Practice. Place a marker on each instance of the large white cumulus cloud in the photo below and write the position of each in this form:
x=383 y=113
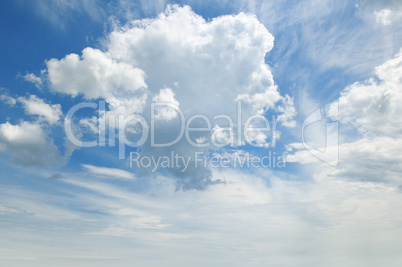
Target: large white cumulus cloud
x=204 y=67
x=221 y=60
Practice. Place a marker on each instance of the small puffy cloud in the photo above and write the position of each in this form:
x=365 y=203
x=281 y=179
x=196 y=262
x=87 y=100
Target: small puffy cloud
x=8 y=100
x=164 y=112
x=222 y=136
x=257 y=134
x=387 y=16
x=385 y=12
x=46 y=112
x=32 y=78
x=31 y=142
x=28 y=144
x=36 y=106
x=92 y=124
x=20 y=133
x=109 y=172
x=97 y=75
x=383 y=16
x=288 y=111
x=259 y=138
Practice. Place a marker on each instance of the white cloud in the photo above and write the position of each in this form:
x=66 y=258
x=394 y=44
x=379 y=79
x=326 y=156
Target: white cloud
x=383 y=16
x=36 y=106
x=384 y=12
x=251 y=218
x=8 y=100
x=58 y=12
x=373 y=108
x=32 y=78
x=288 y=112
x=96 y=75
x=256 y=215
x=222 y=136
x=223 y=59
x=28 y=144
x=312 y=28
x=111 y=172
x=163 y=112
x=92 y=124
x=180 y=58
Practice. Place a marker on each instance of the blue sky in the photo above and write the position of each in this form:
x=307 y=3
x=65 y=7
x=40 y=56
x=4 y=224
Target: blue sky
x=307 y=175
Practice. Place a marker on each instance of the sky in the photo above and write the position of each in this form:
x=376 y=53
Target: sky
x=202 y=133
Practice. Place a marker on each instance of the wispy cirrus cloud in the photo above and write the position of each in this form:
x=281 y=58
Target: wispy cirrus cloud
x=59 y=12
x=109 y=172
x=260 y=216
